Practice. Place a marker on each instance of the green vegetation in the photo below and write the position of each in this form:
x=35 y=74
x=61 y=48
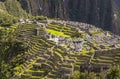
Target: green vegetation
x=2 y=7
x=83 y=75
x=57 y=33
x=95 y=32
x=112 y=73
x=26 y=54
x=9 y=48
x=39 y=18
x=108 y=34
x=13 y=7
x=75 y=75
x=65 y=31
x=6 y=19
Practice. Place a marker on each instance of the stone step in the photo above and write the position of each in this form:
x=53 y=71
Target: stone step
x=66 y=76
x=102 y=61
x=76 y=67
x=65 y=70
x=41 y=59
x=35 y=73
x=106 y=57
x=79 y=63
x=68 y=65
x=70 y=61
x=26 y=76
x=84 y=57
x=53 y=76
x=55 y=72
x=46 y=65
x=53 y=65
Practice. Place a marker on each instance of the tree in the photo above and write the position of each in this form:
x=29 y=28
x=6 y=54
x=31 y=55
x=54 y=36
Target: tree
x=83 y=75
x=114 y=72
x=76 y=75
x=6 y=19
x=88 y=75
x=9 y=48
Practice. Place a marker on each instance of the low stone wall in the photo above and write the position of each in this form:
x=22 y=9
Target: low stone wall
x=107 y=52
x=94 y=68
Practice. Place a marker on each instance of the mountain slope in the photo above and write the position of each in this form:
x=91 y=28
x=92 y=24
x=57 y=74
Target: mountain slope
x=99 y=13
x=54 y=49
x=13 y=8
x=116 y=16
x=102 y=14
x=58 y=48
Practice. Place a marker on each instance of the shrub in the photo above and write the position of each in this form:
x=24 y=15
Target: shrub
x=76 y=75
x=114 y=72
x=14 y=8
x=6 y=19
x=38 y=18
x=83 y=75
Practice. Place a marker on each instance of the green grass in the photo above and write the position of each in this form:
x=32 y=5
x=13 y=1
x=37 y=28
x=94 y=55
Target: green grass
x=66 y=31
x=108 y=34
x=56 y=33
x=96 y=32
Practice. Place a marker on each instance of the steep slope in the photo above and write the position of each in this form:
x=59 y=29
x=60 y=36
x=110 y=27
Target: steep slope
x=13 y=8
x=54 y=49
x=57 y=48
x=116 y=16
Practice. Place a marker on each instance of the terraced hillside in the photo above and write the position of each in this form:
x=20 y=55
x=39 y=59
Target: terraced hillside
x=55 y=49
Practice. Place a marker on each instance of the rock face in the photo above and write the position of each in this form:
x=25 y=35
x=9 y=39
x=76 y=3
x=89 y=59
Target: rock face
x=101 y=13
x=116 y=16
